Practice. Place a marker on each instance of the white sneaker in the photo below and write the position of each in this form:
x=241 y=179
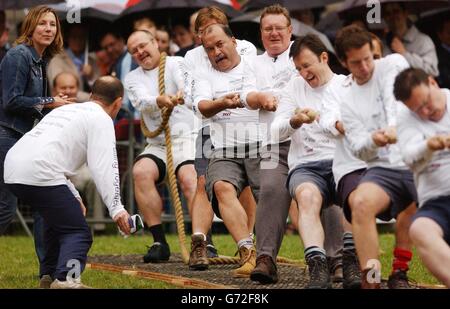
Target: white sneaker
x=69 y=284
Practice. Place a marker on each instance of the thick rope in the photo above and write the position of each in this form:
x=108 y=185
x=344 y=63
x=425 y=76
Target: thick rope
x=164 y=126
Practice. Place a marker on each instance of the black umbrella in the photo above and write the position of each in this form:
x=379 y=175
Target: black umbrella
x=21 y=4
x=154 y=5
x=351 y=8
x=289 y=4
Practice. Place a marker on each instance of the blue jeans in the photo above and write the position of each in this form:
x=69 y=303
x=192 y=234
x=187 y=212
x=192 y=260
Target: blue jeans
x=8 y=201
x=67 y=236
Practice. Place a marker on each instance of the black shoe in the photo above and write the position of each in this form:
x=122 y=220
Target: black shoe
x=351 y=270
x=265 y=271
x=211 y=251
x=399 y=280
x=319 y=276
x=158 y=252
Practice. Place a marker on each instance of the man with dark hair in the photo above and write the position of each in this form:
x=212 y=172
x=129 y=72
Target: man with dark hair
x=196 y=64
x=228 y=95
x=69 y=137
x=274 y=69
x=386 y=189
x=310 y=180
x=424 y=136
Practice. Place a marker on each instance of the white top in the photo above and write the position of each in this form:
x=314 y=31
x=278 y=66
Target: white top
x=231 y=127
x=272 y=75
x=372 y=106
x=344 y=161
x=196 y=63
x=311 y=142
x=60 y=144
x=431 y=169
x=143 y=89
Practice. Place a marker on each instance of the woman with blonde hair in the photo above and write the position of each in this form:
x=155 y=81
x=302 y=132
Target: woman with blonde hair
x=24 y=90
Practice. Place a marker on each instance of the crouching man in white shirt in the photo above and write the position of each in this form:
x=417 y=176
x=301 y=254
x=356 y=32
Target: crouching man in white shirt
x=37 y=169
x=235 y=135
x=149 y=169
x=424 y=136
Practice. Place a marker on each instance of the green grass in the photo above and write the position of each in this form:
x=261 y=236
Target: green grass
x=19 y=266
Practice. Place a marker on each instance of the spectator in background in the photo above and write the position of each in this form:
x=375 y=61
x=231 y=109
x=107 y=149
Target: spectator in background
x=183 y=37
x=114 y=45
x=145 y=23
x=163 y=39
x=66 y=83
x=73 y=59
x=197 y=40
x=377 y=46
x=405 y=39
x=443 y=52
x=104 y=63
x=3 y=35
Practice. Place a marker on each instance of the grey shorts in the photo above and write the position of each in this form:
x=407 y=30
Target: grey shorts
x=346 y=186
x=203 y=151
x=437 y=210
x=319 y=173
x=240 y=172
x=398 y=184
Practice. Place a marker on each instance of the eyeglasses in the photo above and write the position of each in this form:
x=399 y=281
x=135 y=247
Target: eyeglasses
x=278 y=29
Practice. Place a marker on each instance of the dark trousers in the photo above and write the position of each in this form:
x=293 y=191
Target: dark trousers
x=67 y=236
x=8 y=202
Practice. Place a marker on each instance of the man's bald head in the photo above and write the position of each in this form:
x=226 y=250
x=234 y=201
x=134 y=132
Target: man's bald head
x=107 y=89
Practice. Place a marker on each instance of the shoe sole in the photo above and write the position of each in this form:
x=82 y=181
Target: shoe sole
x=352 y=286
x=156 y=261
x=262 y=278
x=199 y=267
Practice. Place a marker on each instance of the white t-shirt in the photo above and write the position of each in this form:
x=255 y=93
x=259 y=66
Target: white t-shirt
x=431 y=169
x=344 y=161
x=196 y=63
x=60 y=144
x=311 y=142
x=272 y=75
x=372 y=106
x=143 y=89
x=231 y=127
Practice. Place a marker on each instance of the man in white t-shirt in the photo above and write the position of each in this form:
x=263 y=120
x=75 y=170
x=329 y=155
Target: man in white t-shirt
x=38 y=168
x=310 y=181
x=150 y=168
x=424 y=136
x=196 y=63
x=386 y=189
x=228 y=96
x=274 y=69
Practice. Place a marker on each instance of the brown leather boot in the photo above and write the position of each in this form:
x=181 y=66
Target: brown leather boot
x=265 y=271
x=198 y=259
x=365 y=284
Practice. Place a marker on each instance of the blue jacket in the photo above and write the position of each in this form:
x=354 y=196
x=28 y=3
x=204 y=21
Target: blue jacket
x=23 y=88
